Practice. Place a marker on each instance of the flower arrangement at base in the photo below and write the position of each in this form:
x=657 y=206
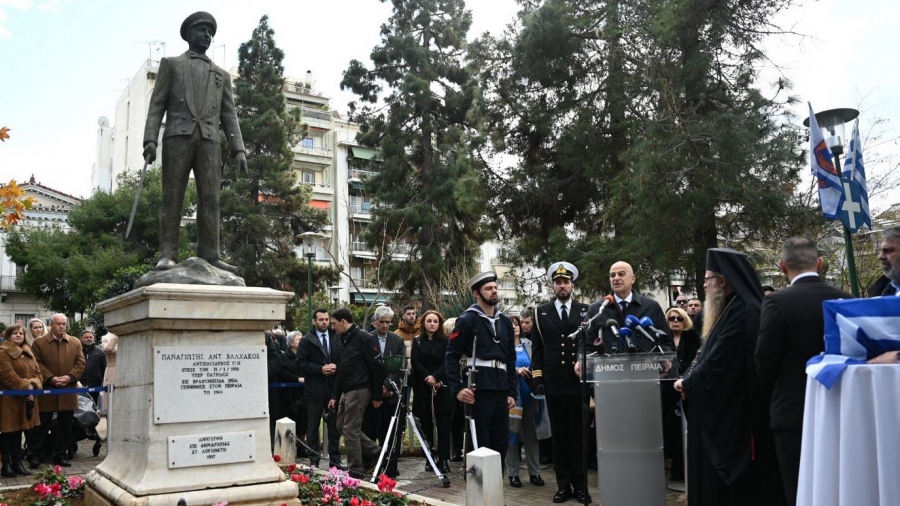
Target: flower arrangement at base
x=55 y=489
x=337 y=488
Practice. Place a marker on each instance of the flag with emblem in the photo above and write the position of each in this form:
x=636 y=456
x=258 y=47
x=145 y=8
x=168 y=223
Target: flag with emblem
x=831 y=191
x=855 y=171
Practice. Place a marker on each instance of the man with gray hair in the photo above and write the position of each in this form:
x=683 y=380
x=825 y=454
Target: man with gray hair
x=889 y=284
x=791 y=326
x=62 y=363
x=376 y=420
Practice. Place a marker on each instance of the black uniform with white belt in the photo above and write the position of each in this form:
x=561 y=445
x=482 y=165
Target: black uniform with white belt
x=495 y=377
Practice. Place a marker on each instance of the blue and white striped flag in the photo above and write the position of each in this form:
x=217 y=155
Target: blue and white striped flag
x=854 y=170
x=821 y=161
x=855 y=331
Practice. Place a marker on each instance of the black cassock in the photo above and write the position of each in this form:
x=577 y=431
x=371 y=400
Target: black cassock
x=731 y=459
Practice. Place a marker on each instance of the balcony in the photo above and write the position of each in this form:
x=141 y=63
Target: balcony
x=361 y=210
x=313 y=154
x=365 y=284
x=8 y=283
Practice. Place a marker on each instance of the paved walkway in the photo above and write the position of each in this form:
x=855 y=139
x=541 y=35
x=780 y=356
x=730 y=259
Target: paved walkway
x=413 y=479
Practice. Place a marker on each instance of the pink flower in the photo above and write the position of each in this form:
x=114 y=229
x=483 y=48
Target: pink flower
x=75 y=482
x=56 y=489
x=223 y=503
x=57 y=469
x=42 y=489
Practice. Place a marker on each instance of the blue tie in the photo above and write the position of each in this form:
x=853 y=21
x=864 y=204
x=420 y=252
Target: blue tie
x=324 y=339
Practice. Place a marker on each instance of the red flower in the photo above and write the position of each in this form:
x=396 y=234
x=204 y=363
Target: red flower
x=56 y=489
x=354 y=501
x=292 y=468
x=277 y=458
x=386 y=484
x=296 y=478
x=304 y=478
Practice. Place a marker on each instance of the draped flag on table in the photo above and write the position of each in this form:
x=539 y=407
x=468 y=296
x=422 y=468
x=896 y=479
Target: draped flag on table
x=855 y=330
x=854 y=170
x=831 y=192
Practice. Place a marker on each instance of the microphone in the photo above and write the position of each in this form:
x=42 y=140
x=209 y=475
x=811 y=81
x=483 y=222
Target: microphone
x=629 y=344
x=647 y=323
x=613 y=326
x=634 y=324
x=586 y=325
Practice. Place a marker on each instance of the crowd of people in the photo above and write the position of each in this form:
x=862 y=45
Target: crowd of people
x=512 y=383
x=35 y=357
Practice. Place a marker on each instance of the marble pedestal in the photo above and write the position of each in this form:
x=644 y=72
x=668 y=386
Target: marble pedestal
x=149 y=461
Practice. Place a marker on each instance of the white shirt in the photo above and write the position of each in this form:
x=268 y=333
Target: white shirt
x=559 y=305
x=804 y=275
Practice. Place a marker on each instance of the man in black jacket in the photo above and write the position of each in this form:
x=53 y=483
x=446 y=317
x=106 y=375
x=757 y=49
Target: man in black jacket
x=791 y=331
x=94 y=363
x=359 y=381
x=553 y=366
x=376 y=421
x=317 y=356
x=627 y=302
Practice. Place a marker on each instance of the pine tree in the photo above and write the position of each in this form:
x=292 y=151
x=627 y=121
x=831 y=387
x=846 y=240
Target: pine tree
x=642 y=134
x=427 y=192
x=264 y=211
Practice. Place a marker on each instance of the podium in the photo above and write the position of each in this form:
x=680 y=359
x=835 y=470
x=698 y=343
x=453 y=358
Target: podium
x=628 y=418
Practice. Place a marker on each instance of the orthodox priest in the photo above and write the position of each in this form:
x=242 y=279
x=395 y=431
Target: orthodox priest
x=731 y=458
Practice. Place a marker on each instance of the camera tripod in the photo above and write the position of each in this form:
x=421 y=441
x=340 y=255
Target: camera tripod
x=392 y=445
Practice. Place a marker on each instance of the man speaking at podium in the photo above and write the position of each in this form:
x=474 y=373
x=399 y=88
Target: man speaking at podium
x=627 y=303
x=553 y=366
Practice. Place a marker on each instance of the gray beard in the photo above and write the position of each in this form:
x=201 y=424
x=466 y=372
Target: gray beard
x=712 y=309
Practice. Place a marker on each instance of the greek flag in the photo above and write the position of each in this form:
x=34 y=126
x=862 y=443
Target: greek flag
x=855 y=330
x=854 y=170
x=831 y=192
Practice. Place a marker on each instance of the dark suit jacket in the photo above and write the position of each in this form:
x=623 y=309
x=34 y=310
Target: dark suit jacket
x=311 y=358
x=394 y=345
x=173 y=94
x=791 y=331
x=553 y=353
x=640 y=307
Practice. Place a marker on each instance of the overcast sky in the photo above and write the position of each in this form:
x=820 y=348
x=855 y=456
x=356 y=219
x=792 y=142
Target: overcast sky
x=64 y=63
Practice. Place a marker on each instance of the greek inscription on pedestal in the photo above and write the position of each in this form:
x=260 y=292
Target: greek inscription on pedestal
x=207 y=383
x=210 y=449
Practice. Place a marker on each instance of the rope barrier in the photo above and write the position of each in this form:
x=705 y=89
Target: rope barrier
x=91 y=390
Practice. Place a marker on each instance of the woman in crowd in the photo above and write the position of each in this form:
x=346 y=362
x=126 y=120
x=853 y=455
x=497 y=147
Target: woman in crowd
x=687 y=343
x=35 y=330
x=18 y=371
x=291 y=401
x=522 y=417
x=433 y=403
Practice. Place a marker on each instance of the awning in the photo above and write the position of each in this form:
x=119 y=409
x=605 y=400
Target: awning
x=363 y=153
x=319 y=204
x=369 y=298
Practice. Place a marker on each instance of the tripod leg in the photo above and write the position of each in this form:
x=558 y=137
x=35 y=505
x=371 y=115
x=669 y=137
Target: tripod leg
x=384 y=449
x=445 y=481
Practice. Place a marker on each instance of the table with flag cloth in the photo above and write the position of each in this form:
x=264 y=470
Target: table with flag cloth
x=851 y=439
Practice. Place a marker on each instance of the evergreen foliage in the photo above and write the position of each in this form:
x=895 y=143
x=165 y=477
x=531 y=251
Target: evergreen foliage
x=418 y=110
x=68 y=269
x=264 y=211
x=642 y=132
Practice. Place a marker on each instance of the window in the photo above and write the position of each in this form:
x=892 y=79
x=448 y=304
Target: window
x=307 y=142
x=308 y=177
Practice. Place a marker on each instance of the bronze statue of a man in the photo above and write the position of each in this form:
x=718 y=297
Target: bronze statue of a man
x=196 y=97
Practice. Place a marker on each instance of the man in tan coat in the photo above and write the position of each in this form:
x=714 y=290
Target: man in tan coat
x=62 y=363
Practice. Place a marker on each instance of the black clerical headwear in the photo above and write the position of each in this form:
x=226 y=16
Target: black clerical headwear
x=739 y=274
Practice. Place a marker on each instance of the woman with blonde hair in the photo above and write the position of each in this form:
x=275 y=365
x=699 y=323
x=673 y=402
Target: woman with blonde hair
x=18 y=371
x=35 y=329
x=687 y=343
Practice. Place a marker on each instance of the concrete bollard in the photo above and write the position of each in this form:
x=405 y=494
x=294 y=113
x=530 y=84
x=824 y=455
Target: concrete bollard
x=286 y=440
x=484 y=482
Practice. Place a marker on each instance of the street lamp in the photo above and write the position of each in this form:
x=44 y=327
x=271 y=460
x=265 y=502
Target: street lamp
x=833 y=121
x=309 y=251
